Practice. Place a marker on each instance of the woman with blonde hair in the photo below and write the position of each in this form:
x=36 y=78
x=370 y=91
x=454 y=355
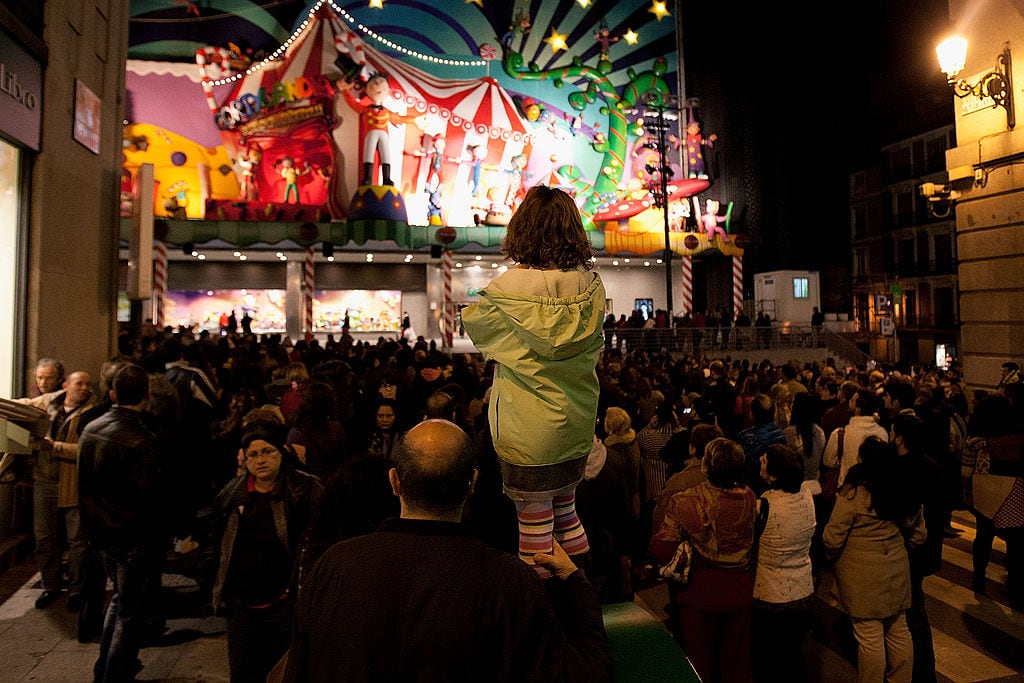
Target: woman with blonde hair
x=713 y=607
x=608 y=503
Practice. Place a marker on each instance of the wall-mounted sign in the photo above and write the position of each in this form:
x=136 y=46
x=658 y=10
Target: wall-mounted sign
x=883 y=304
x=21 y=93
x=973 y=103
x=87 y=117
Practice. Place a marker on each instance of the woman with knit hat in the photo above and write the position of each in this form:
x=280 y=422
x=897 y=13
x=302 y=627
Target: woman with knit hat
x=263 y=514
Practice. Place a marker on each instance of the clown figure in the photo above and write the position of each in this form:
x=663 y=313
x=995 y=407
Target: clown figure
x=291 y=177
x=250 y=190
x=695 y=142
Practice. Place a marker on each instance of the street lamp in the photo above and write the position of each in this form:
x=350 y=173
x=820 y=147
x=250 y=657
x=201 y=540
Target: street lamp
x=997 y=84
x=658 y=117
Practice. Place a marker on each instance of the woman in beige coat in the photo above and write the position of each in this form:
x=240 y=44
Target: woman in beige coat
x=876 y=516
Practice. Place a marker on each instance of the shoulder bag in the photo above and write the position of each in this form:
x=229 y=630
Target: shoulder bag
x=829 y=476
x=678 y=568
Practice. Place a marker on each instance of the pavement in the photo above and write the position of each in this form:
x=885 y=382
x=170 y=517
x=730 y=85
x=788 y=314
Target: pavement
x=42 y=644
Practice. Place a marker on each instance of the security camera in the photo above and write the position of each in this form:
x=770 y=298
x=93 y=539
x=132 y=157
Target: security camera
x=938 y=193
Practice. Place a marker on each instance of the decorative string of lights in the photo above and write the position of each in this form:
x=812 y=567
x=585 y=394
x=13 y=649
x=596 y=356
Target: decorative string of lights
x=276 y=54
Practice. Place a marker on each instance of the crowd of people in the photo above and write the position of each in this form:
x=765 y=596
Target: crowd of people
x=558 y=473
x=263 y=454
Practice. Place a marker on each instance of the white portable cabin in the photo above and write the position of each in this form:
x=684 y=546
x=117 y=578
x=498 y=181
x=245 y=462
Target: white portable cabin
x=788 y=296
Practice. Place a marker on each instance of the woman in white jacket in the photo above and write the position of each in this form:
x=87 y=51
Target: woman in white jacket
x=783 y=585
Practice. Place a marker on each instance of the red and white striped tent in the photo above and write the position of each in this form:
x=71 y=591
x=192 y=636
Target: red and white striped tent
x=464 y=111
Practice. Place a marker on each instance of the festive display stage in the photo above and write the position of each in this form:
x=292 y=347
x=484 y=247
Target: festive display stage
x=342 y=136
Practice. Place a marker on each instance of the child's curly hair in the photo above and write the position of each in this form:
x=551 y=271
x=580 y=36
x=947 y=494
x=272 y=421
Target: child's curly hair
x=546 y=231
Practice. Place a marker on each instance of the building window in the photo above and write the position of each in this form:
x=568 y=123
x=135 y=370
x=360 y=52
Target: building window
x=860 y=311
x=944 y=311
x=860 y=226
x=904 y=209
x=944 y=254
x=860 y=263
x=10 y=209
x=910 y=318
x=905 y=257
x=800 y=288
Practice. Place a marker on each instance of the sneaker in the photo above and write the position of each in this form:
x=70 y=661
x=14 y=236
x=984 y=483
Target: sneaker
x=47 y=598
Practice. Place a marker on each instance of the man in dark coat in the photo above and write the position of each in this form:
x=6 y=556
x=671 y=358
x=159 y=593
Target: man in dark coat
x=122 y=496
x=422 y=599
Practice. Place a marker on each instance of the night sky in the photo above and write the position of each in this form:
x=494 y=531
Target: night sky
x=801 y=98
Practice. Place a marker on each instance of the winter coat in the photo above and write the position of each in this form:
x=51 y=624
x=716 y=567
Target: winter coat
x=859 y=428
x=294 y=498
x=61 y=463
x=872 y=567
x=543 y=327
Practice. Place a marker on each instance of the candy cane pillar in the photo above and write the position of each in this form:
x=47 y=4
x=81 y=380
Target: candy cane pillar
x=307 y=293
x=159 y=282
x=687 y=306
x=448 y=304
x=737 y=283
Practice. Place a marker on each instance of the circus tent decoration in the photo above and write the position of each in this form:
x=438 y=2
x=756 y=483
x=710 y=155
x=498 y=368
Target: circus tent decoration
x=290 y=107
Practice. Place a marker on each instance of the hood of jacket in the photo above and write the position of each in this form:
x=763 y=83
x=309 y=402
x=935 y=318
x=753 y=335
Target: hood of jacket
x=554 y=314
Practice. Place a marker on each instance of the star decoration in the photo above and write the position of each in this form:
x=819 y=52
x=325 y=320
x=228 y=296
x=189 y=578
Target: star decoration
x=583 y=3
x=478 y=3
x=557 y=41
x=658 y=9
x=631 y=37
x=376 y=4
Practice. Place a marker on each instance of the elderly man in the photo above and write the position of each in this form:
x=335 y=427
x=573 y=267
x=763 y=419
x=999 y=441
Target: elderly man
x=422 y=599
x=55 y=488
x=49 y=376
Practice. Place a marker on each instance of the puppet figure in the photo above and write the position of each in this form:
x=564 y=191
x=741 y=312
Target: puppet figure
x=291 y=177
x=711 y=220
x=250 y=190
x=695 y=143
x=498 y=213
x=604 y=39
x=520 y=26
x=515 y=193
x=436 y=155
x=376 y=119
x=477 y=155
x=434 y=207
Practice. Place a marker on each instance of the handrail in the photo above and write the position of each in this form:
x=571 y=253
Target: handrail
x=840 y=346
x=709 y=340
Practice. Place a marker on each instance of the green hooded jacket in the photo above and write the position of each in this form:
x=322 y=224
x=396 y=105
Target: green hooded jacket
x=543 y=329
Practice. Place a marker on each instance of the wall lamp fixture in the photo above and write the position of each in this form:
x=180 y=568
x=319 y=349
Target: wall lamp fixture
x=997 y=84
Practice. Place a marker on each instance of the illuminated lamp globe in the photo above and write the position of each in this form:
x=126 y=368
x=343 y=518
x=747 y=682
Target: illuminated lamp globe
x=952 y=53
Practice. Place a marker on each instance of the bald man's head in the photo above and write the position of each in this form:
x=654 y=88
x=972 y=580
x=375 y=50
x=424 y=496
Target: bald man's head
x=435 y=465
